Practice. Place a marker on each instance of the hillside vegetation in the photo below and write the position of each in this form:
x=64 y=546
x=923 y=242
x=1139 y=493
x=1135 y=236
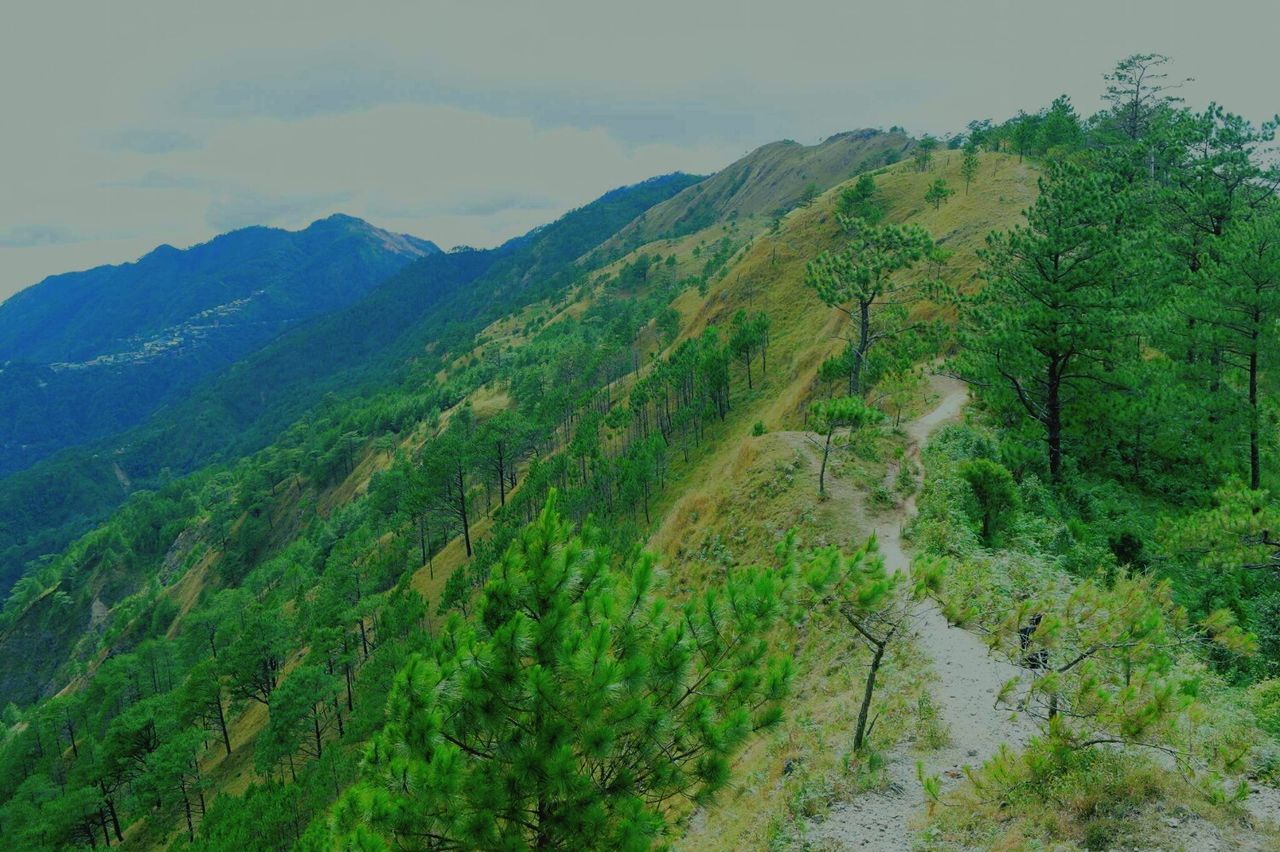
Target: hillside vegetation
x=89 y=354
x=374 y=343
x=886 y=493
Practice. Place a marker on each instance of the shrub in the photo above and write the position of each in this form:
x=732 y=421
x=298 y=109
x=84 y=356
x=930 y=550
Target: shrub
x=995 y=496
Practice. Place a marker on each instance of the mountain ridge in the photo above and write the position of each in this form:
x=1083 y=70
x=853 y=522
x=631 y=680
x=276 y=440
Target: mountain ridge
x=86 y=354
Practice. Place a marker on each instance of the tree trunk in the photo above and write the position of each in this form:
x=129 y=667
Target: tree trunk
x=859 y=737
x=1255 y=466
x=860 y=351
x=222 y=724
x=346 y=670
x=1053 y=425
x=502 y=480
x=115 y=820
x=462 y=511
x=195 y=764
x=822 y=471
x=186 y=805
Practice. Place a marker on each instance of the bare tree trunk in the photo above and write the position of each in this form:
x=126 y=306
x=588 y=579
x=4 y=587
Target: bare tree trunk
x=1255 y=461
x=822 y=471
x=859 y=737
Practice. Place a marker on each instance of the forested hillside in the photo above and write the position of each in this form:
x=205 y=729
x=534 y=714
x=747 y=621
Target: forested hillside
x=374 y=342
x=89 y=354
x=892 y=493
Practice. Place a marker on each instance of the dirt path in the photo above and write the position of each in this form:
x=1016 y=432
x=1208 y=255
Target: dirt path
x=968 y=677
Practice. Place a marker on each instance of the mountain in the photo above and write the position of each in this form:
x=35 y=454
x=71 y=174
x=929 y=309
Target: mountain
x=87 y=354
x=544 y=326
x=770 y=180
x=546 y=544
x=432 y=300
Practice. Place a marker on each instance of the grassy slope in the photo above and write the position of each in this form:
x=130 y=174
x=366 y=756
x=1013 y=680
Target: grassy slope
x=737 y=500
x=770 y=178
x=738 y=494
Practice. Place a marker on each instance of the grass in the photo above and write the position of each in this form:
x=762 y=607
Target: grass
x=743 y=490
x=1101 y=800
x=734 y=500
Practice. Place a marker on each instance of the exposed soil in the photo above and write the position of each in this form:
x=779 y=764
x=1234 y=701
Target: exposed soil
x=968 y=677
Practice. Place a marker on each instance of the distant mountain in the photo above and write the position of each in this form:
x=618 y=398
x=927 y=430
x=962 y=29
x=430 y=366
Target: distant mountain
x=771 y=179
x=85 y=355
x=436 y=298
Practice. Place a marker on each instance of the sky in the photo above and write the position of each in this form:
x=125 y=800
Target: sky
x=126 y=125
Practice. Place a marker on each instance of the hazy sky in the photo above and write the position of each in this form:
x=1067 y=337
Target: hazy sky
x=130 y=124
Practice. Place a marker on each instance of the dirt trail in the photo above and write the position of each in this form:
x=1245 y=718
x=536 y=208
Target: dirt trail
x=968 y=677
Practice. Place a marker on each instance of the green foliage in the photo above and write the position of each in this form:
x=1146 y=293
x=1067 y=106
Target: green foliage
x=867 y=273
x=922 y=153
x=1057 y=309
x=861 y=201
x=572 y=708
x=969 y=164
x=869 y=597
x=1225 y=557
x=1264 y=701
x=1241 y=312
x=830 y=415
x=995 y=496
x=937 y=193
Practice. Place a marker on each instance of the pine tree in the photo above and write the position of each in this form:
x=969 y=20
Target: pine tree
x=830 y=415
x=571 y=708
x=969 y=164
x=1228 y=556
x=995 y=495
x=303 y=711
x=1137 y=89
x=869 y=272
x=938 y=193
x=869 y=598
x=1241 y=310
x=923 y=153
x=1045 y=330
x=861 y=201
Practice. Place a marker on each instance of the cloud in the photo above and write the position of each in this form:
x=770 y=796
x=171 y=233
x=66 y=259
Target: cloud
x=157 y=179
x=28 y=236
x=498 y=203
x=241 y=210
x=473 y=122
x=141 y=141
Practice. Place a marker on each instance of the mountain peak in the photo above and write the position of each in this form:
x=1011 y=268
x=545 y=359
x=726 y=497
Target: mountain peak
x=403 y=244
x=341 y=219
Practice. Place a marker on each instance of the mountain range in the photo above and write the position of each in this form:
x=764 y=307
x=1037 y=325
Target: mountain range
x=84 y=355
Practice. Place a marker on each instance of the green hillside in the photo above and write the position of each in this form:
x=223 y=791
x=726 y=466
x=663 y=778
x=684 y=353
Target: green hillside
x=373 y=343
x=886 y=493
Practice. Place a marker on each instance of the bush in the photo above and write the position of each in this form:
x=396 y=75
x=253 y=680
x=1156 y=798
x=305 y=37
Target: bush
x=994 y=496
